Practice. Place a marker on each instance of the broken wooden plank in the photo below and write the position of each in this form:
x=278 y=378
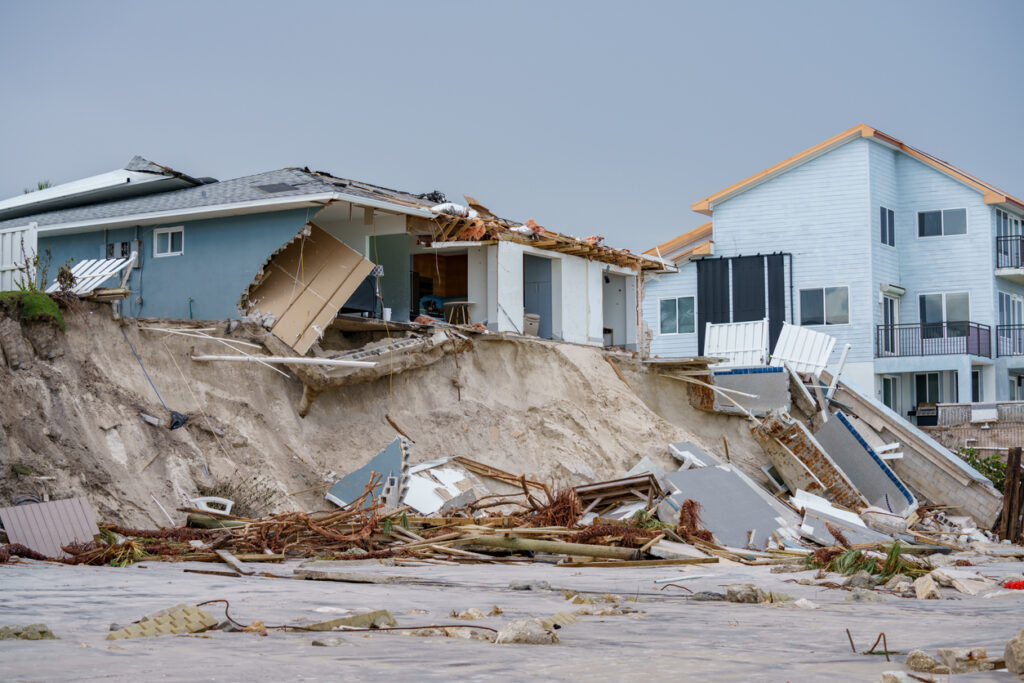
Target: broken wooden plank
x=642 y=563
x=235 y=563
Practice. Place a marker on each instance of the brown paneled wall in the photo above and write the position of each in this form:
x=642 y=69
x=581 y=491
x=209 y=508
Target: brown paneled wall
x=447 y=272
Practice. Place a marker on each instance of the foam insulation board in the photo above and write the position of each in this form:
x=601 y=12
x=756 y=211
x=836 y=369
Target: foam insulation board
x=303 y=285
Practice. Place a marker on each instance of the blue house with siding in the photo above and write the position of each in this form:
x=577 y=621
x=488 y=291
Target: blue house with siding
x=916 y=264
x=201 y=242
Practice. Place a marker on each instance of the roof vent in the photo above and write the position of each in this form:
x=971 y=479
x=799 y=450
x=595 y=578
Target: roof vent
x=275 y=187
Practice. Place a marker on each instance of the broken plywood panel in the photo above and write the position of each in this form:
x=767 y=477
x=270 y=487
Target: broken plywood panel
x=303 y=285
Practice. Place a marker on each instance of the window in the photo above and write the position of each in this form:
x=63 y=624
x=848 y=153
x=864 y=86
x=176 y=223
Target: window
x=168 y=242
x=926 y=387
x=677 y=315
x=825 y=306
x=975 y=386
x=888 y=221
x=891 y=392
x=945 y=314
x=945 y=222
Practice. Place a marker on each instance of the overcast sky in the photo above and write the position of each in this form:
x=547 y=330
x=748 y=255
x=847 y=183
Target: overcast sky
x=590 y=117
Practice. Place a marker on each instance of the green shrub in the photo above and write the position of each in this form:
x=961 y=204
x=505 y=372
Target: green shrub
x=32 y=306
x=992 y=466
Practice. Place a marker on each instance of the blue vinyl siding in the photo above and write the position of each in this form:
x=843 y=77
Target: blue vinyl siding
x=665 y=286
x=221 y=257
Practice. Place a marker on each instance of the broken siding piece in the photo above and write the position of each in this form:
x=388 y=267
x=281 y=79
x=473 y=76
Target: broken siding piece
x=303 y=285
x=47 y=527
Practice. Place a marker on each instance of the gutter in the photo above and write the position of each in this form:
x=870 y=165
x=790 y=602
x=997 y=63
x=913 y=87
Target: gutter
x=217 y=210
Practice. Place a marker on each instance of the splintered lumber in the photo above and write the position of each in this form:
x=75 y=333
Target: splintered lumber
x=555 y=547
x=642 y=563
x=230 y=559
x=494 y=473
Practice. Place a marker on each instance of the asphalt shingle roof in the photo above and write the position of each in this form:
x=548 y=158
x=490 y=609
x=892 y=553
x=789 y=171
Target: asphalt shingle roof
x=224 y=192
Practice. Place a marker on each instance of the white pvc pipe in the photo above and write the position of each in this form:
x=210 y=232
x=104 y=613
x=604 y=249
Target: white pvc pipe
x=295 y=361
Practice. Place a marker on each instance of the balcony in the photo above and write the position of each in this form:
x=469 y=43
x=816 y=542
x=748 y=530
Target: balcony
x=933 y=339
x=1009 y=340
x=1010 y=258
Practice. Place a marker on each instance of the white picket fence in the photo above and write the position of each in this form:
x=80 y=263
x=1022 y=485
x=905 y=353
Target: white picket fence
x=16 y=245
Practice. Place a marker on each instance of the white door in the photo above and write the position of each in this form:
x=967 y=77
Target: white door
x=16 y=246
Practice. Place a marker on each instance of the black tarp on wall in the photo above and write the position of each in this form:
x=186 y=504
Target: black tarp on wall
x=776 y=297
x=712 y=295
x=747 y=289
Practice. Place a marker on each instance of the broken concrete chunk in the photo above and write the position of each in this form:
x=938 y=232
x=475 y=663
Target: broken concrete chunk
x=804 y=603
x=861 y=579
x=529 y=585
x=745 y=593
x=708 y=596
x=29 y=632
x=895 y=677
x=863 y=595
x=962 y=660
x=897 y=579
x=926 y=588
x=469 y=614
x=922 y=662
x=375 y=619
x=526 y=631
x=1014 y=654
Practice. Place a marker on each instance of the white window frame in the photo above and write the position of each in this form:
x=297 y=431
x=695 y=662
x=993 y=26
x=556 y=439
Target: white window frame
x=967 y=223
x=824 y=305
x=676 y=299
x=945 y=317
x=895 y=385
x=170 y=240
x=891 y=232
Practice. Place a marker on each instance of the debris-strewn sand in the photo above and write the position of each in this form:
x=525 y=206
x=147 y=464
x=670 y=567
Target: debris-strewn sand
x=557 y=412
x=627 y=628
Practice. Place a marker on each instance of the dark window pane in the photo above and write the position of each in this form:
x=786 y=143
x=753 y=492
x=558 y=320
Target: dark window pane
x=668 y=316
x=921 y=388
x=929 y=223
x=812 y=307
x=837 y=305
x=892 y=227
x=881 y=222
x=686 y=315
x=933 y=387
x=931 y=316
x=954 y=221
x=975 y=386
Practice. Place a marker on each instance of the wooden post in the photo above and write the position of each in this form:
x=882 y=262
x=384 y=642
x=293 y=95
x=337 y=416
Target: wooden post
x=1010 y=525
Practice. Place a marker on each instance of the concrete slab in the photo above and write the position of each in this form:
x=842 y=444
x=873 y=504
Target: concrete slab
x=769 y=386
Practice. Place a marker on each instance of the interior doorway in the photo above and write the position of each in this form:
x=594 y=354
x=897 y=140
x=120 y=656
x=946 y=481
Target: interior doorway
x=537 y=291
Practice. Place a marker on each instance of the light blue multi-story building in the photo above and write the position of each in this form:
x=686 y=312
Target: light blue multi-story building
x=916 y=264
